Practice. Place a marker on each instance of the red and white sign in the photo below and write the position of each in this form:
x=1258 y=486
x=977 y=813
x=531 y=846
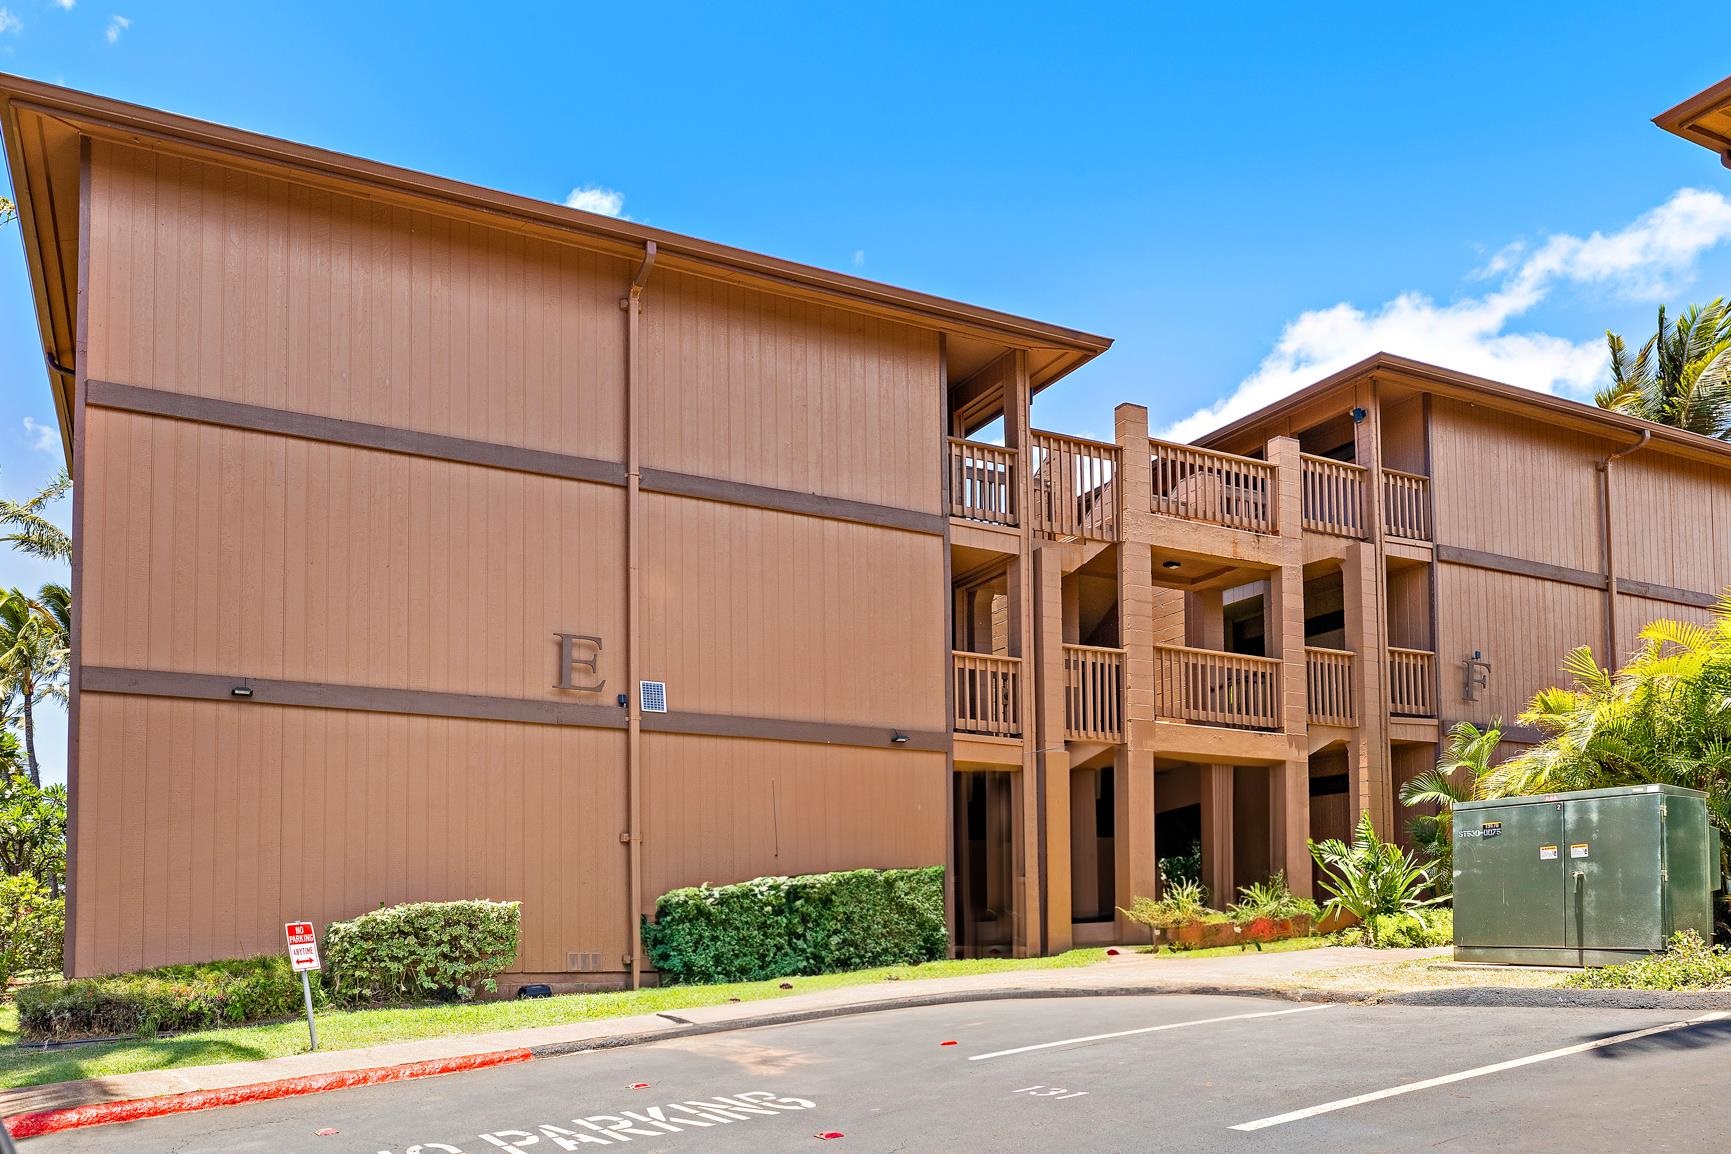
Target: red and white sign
x=303 y=946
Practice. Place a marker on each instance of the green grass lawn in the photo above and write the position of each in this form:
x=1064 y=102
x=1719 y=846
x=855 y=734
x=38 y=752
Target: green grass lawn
x=347 y=1030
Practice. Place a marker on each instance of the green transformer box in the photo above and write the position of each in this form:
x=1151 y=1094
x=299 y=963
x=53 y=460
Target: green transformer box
x=1582 y=879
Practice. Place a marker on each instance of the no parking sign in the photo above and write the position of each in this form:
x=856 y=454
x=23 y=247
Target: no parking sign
x=303 y=946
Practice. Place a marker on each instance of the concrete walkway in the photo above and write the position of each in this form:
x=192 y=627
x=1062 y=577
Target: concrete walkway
x=1128 y=973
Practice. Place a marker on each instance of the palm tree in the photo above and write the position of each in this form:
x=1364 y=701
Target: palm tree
x=34 y=636
x=1682 y=375
x=1466 y=761
x=1664 y=718
x=28 y=530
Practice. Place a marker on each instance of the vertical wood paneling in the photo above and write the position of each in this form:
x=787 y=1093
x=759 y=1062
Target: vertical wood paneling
x=744 y=387
x=1522 y=625
x=721 y=811
x=773 y=614
x=514 y=799
x=1519 y=488
x=251 y=289
x=1672 y=520
x=406 y=573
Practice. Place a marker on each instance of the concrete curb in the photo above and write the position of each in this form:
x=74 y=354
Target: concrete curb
x=134 y=1109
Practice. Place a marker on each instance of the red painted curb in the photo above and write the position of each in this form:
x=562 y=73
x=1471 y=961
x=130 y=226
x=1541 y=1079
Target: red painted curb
x=132 y=1109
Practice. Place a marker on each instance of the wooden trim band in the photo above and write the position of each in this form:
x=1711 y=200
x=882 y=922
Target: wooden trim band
x=790 y=501
x=1499 y=563
x=1512 y=732
x=1667 y=593
x=428 y=703
x=359 y=434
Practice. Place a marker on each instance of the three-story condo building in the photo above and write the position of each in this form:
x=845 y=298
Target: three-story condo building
x=436 y=543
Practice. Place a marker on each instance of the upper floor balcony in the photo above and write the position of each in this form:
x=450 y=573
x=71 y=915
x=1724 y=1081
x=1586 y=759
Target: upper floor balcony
x=1212 y=688
x=1216 y=488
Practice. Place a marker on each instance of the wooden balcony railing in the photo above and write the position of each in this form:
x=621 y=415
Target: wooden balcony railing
x=1333 y=496
x=982 y=482
x=1075 y=491
x=1411 y=676
x=1093 y=693
x=988 y=694
x=1222 y=489
x=1406 y=505
x=1217 y=688
x=1329 y=680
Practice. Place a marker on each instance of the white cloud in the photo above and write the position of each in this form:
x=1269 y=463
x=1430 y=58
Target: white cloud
x=65 y=5
x=594 y=198
x=1650 y=259
x=858 y=257
x=9 y=22
x=43 y=438
x=116 y=26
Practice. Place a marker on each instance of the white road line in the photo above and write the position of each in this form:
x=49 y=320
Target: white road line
x=1478 y=1072
x=1145 y=1030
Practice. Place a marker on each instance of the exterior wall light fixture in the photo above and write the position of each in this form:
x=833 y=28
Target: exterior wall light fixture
x=1169 y=564
x=1358 y=415
x=241 y=691
x=897 y=737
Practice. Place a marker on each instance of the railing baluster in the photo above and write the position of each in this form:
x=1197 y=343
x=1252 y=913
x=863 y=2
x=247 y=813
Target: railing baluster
x=1219 y=488
x=1231 y=689
x=1411 y=673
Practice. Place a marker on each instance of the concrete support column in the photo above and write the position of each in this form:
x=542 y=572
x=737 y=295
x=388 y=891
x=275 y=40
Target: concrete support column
x=1368 y=753
x=1051 y=757
x=1284 y=631
x=1133 y=764
x=1022 y=581
x=1205 y=620
x=1218 y=852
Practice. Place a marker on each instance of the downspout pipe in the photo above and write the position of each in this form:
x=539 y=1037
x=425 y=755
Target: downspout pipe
x=633 y=836
x=1607 y=535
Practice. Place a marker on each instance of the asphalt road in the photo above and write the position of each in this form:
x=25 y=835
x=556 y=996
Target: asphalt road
x=1171 y=1073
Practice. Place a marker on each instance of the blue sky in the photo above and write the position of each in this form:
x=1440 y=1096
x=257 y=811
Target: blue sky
x=1246 y=197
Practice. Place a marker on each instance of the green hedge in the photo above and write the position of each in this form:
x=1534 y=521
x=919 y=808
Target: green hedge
x=814 y=924
x=167 y=1000
x=421 y=950
x=32 y=928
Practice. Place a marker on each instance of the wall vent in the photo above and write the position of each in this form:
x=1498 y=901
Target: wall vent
x=652 y=696
x=583 y=963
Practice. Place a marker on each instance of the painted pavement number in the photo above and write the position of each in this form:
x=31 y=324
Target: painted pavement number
x=623 y=1126
x=1056 y=1093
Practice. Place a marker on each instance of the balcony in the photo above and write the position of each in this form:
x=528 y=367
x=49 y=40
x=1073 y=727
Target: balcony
x=1411 y=678
x=982 y=482
x=1406 y=505
x=1217 y=488
x=1093 y=693
x=1230 y=689
x=1333 y=496
x=1074 y=489
x=988 y=694
x=1330 y=677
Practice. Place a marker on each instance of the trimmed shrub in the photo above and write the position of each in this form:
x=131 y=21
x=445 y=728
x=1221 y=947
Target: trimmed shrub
x=421 y=950
x=813 y=924
x=171 y=999
x=1688 y=963
x=1432 y=927
x=32 y=928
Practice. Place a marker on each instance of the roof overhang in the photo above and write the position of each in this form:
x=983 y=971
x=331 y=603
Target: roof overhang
x=1485 y=393
x=1703 y=119
x=44 y=127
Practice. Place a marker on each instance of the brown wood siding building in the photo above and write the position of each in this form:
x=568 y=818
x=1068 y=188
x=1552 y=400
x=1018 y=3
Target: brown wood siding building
x=393 y=494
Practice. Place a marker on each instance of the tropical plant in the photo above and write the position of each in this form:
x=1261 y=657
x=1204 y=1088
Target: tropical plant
x=35 y=635
x=1465 y=762
x=1270 y=899
x=1664 y=718
x=1681 y=376
x=8 y=210
x=27 y=527
x=1180 y=902
x=33 y=831
x=1183 y=867
x=1371 y=880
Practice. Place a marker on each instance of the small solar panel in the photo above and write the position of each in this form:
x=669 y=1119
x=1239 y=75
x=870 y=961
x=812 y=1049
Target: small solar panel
x=652 y=696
